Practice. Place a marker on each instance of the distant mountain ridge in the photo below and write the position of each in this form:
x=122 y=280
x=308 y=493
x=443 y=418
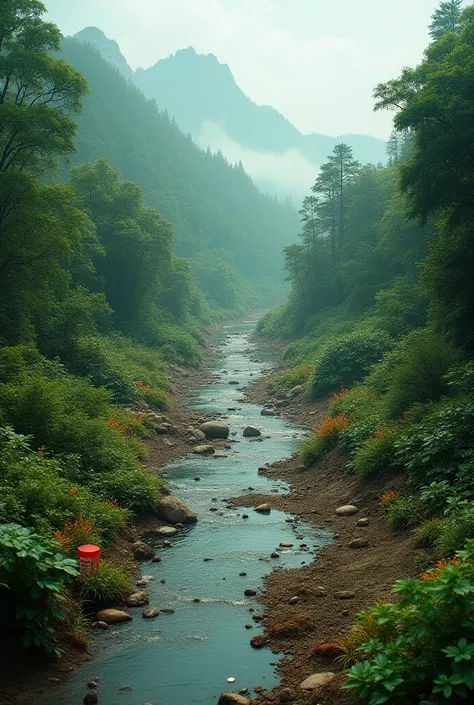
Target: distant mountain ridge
x=205 y=100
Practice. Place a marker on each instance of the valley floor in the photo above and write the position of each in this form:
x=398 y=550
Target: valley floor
x=368 y=573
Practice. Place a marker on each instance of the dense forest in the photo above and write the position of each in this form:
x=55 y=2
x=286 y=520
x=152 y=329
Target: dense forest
x=381 y=315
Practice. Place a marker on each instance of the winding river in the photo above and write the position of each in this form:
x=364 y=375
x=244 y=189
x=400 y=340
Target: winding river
x=187 y=656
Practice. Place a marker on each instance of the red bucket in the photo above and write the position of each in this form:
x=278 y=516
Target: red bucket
x=89 y=558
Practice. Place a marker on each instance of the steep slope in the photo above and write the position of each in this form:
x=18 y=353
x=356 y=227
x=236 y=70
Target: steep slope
x=109 y=49
x=229 y=229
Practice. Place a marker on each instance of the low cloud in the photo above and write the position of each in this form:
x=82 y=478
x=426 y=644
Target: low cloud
x=287 y=174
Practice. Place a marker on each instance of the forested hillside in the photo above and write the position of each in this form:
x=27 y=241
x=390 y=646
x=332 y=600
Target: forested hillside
x=232 y=233
x=381 y=316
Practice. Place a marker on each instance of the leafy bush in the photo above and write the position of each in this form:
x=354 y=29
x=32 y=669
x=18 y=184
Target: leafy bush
x=108 y=583
x=347 y=359
x=435 y=496
x=32 y=574
x=423 y=646
x=291 y=378
x=420 y=375
x=441 y=446
x=428 y=532
x=315 y=447
x=403 y=512
x=375 y=453
x=455 y=529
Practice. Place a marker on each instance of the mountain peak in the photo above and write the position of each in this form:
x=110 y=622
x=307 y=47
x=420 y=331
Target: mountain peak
x=109 y=48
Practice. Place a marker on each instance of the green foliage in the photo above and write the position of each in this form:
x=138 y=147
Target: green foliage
x=404 y=512
x=402 y=307
x=420 y=374
x=446 y=18
x=347 y=359
x=376 y=453
x=455 y=529
x=315 y=447
x=32 y=574
x=291 y=378
x=423 y=645
x=108 y=583
x=428 y=532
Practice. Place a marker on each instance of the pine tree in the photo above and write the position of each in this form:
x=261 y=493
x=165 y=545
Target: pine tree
x=447 y=18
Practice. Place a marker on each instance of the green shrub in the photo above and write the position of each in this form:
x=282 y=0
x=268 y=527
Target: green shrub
x=435 y=496
x=291 y=378
x=455 y=529
x=32 y=574
x=376 y=453
x=108 y=583
x=403 y=512
x=316 y=447
x=138 y=489
x=419 y=649
x=420 y=375
x=347 y=359
x=441 y=446
x=428 y=532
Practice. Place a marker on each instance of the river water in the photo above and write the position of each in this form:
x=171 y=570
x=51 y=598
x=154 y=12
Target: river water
x=186 y=657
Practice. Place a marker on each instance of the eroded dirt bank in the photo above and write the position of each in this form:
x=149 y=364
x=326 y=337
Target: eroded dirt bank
x=366 y=573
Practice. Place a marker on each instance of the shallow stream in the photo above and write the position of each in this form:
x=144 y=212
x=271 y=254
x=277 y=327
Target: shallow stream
x=186 y=657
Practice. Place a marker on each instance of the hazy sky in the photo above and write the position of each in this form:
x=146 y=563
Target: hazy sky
x=316 y=61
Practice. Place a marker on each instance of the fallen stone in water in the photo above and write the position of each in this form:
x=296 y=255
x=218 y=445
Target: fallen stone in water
x=358 y=543
x=268 y=412
x=111 y=616
x=233 y=699
x=286 y=544
x=346 y=510
x=249 y=626
x=125 y=689
x=90 y=699
x=258 y=642
x=245 y=516
x=166 y=531
x=317 y=681
x=156 y=559
x=204 y=450
x=275 y=555
x=92 y=684
x=208 y=559
x=242 y=574
x=167 y=610
x=233 y=381
x=174 y=511
x=141 y=583
x=142 y=551
x=251 y=432
x=344 y=595
x=215 y=429
x=138 y=599
x=151 y=613
x=257 y=617
x=263 y=509
x=99 y=625
x=363 y=522
x=250 y=592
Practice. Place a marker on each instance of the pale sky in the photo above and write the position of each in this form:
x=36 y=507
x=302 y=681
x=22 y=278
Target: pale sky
x=316 y=61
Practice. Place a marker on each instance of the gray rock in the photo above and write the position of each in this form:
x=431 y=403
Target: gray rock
x=346 y=510
x=233 y=699
x=363 y=522
x=204 y=450
x=293 y=600
x=151 y=613
x=166 y=531
x=268 y=412
x=111 y=616
x=215 y=429
x=174 y=511
x=251 y=432
x=138 y=599
x=358 y=543
x=142 y=551
x=250 y=592
x=317 y=681
x=263 y=509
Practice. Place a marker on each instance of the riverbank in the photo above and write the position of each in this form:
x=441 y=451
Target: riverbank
x=26 y=676
x=364 y=574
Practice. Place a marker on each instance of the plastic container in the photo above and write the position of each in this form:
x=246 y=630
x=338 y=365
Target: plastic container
x=89 y=558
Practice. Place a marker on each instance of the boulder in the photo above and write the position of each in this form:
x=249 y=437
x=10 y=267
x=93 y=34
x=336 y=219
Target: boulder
x=251 y=432
x=346 y=510
x=317 y=681
x=268 y=412
x=263 y=509
x=151 y=613
x=250 y=592
x=113 y=616
x=286 y=544
x=138 y=599
x=142 y=551
x=166 y=531
x=215 y=429
x=258 y=641
x=174 y=511
x=204 y=450
x=233 y=699
x=358 y=543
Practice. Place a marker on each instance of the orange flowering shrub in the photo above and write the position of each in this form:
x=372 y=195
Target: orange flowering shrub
x=337 y=396
x=331 y=425
x=76 y=533
x=120 y=427
x=327 y=650
x=388 y=497
x=434 y=573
